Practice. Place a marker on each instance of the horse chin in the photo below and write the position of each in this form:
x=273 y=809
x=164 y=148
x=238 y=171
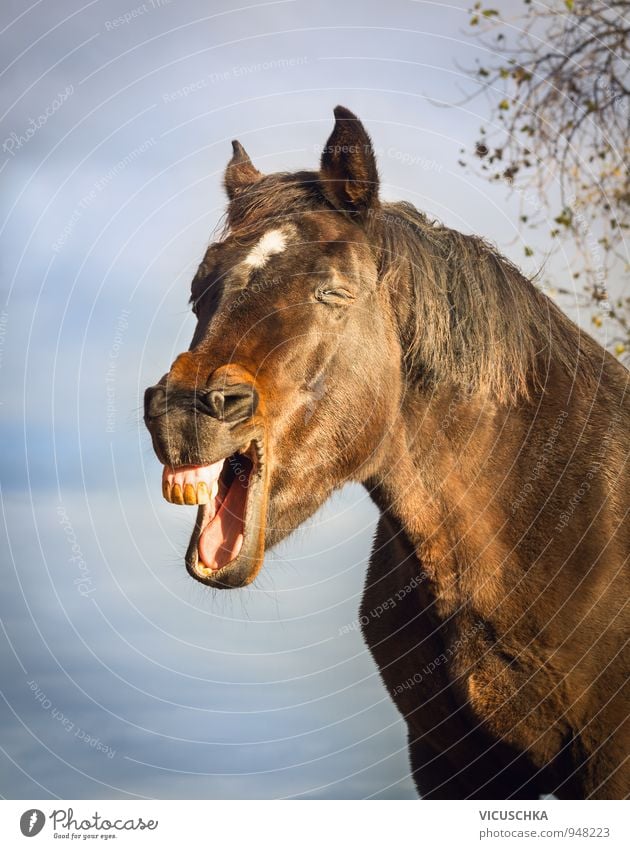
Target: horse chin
x=226 y=549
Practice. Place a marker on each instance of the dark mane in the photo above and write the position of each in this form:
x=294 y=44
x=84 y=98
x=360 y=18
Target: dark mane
x=468 y=316
x=275 y=198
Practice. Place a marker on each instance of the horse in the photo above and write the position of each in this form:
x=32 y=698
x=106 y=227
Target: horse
x=340 y=338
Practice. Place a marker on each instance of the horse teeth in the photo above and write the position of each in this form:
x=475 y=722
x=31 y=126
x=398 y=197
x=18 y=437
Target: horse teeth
x=185 y=487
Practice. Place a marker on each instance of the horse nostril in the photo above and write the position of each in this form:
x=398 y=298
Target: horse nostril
x=154 y=402
x=232 y=403
x=216 y=403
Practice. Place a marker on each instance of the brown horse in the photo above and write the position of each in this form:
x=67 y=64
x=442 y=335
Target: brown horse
x=343 y=338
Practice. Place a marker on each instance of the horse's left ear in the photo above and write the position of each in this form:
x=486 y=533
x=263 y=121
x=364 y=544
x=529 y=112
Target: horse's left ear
x=348 y=173
x=240 y=172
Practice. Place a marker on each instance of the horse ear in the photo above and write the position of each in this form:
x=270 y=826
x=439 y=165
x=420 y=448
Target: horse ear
x=348 y=173
x=240 y=172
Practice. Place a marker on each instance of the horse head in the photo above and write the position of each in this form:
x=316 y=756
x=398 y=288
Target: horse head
x=293 y=372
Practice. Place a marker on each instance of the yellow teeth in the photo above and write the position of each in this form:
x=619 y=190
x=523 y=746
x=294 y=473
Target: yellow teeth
x=189 y=495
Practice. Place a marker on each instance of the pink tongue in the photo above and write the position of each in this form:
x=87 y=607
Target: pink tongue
x=222 y=539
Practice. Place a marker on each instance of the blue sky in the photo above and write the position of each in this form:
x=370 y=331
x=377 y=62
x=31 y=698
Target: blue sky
x=121 y=677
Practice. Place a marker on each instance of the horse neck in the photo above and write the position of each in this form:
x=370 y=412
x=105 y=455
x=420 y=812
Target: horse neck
x=443 y=469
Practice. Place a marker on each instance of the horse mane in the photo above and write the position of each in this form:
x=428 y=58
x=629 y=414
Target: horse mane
x=467 y=315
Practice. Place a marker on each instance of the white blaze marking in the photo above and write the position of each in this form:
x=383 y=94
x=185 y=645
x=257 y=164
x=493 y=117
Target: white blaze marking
x=273 y=242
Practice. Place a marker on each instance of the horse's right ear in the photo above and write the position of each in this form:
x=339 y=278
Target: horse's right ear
x=348 y=174
x=240 y=172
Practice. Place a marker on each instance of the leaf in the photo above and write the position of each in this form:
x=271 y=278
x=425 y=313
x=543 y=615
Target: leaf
x=529 y=251
x=521 y=75
x=569 y=4
x=504 y=104
x=489 y=13
x=565 y=218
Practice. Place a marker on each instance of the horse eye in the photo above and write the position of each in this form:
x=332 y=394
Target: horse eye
x=334 y=295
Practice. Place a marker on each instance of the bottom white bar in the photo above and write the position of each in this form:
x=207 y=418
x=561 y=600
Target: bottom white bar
x=314 y=824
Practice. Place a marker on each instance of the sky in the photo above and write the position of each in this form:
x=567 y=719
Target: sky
x=121 y=677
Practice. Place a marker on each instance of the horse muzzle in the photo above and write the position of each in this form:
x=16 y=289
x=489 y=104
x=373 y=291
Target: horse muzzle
x=211 y=443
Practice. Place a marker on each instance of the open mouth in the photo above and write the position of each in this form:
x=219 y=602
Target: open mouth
x=227 y=544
